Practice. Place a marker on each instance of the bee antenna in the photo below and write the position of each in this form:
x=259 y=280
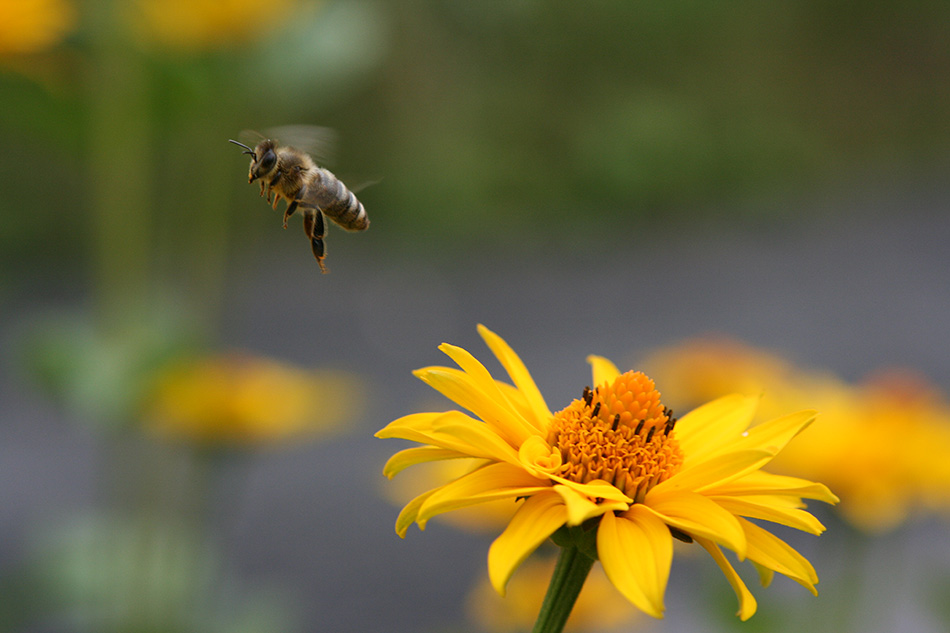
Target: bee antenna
x=249 y=150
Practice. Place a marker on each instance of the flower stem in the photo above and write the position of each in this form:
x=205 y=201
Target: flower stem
x=566 y=583
x=119 y=144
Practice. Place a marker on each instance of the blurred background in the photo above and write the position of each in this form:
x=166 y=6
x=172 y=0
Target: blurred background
x=188 y=404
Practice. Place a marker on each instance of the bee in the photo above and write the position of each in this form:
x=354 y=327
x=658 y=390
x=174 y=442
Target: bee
x=291 y=174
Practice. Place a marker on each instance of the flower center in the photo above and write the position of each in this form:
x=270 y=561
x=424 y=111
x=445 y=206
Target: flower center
x=618 y=432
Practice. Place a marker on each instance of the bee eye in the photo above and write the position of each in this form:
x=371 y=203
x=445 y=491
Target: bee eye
x=267 y=162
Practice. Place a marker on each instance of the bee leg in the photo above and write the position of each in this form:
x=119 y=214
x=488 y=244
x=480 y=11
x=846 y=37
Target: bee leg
x=291 y=207
x=270 y=187
x=265 y=191
x=315 y=229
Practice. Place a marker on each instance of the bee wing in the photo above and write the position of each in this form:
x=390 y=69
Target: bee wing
x=360 y=186
x=251 y=137
x=319 y=142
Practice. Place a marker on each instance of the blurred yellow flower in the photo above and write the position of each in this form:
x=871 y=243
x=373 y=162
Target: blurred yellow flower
x=600 y=607
x=193 y=25
x=617 y=462
x=881 y=445
x=239 y=399
x=704 y=369
x=33 y=26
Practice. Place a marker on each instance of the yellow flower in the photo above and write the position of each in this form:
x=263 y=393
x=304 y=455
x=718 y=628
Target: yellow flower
x=881 y=445
x=885 y=446
x=192 y=25
x=598 y=608
x=240 y=400
x=615 y=461
x=704 y=369
x=32 y=26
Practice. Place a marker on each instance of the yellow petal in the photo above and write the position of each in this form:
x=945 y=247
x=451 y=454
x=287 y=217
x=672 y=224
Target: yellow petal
x=481 y=440
x=410 y=427
x=717 y=470
x=596 y=489
x=418 y=455
x=484 y=381
x=531 y=525
x=451 y=430
x=409 y=513
x=774 y=435
x=771 y=510
x=774 y=554
x=697 y=516
x=760 y=482
x=707 y=429
x=519 y=375
x=538 y=457
x=580 y=507
x=461 y=388
x=602 y=369
x=471 y=366
x=765 y=574
x=747 y=603
x=636 y=551
x=488 y=483
x=517 y=400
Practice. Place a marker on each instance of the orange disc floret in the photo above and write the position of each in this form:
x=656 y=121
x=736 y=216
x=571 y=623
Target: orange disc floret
x=633 y=396
x=618 y=432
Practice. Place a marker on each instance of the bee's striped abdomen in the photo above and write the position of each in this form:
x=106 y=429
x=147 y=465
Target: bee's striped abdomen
x=337 y=202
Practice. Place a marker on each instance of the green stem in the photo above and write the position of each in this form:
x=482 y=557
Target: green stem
x=566 y=583
x=118 y=168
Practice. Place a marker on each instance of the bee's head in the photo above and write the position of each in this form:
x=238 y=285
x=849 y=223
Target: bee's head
x=263 y=158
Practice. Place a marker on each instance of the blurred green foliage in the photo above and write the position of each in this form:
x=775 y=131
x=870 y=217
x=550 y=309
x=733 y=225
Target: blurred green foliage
x=137 y=574
x=499 y=120
x=524 y=114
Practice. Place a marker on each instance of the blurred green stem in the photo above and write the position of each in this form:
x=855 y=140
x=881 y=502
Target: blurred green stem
x=566 y=584
x=119 y=171
x=207 y=223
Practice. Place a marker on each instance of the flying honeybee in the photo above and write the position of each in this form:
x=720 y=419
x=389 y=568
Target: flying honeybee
x=289 y=173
